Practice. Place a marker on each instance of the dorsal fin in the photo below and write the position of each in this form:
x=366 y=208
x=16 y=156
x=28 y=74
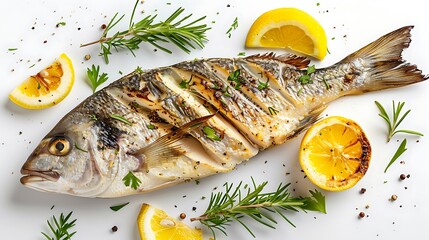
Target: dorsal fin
x=287 y=58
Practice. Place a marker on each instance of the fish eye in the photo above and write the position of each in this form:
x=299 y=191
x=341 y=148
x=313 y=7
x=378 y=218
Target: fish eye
x=59 y=146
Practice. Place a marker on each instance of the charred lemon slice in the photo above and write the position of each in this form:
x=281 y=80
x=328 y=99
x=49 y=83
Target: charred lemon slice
x=48 y=87
x=335 y=153
x=155 y=224
x=288 y=28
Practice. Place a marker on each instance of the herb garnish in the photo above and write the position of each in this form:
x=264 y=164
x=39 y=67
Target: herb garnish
x=184 y=36
x=234 y=26
x=60 y=228
x=263 y=85
x=273 y=111
x=95 y=79
x=12 y=49
x=211 y=133
x=397 y=119
x=235 y=77
x=130 y=180
x=305 y=78
x=119 y=207
x=150 y=126
x=120 y=118
x=233 y=204
x=185 y=84
x=401 y=149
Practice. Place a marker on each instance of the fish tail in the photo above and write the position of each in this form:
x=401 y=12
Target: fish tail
x=387 y=68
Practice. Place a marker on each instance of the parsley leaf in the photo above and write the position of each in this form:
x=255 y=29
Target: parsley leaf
x=235 y=77
x=130 y=180
x=95 y=79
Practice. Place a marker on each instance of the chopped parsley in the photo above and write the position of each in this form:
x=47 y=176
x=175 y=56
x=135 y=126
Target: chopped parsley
x=235 y=77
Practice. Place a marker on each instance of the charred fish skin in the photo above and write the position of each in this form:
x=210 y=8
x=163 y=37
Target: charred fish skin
x=198 y=118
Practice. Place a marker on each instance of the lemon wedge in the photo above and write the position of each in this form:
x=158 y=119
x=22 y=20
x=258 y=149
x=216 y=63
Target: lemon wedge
x=155 y=224
x=335 y=153
x=48 y=87
x=288 y=28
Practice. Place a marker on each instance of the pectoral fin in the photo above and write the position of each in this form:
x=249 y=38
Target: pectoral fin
x=309 y=120
x=167 y=147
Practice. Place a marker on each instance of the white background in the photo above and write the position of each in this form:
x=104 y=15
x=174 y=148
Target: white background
x=349 y=25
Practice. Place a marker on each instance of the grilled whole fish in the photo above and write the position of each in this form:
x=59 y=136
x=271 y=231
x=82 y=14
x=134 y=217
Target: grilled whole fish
x=198 y=118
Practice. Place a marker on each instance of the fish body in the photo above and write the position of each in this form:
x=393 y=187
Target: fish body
x=197 y=118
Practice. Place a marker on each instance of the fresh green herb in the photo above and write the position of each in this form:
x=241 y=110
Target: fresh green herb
x=120 y=118
x=60 y=228
x=138 y=69
x=235 y=77
x=120 y=72
x=12 y=49
x=234 y=26
x=150 y=126
x=241 y=54
x=61 y=24
x=32 y=65
x=197 y=181
x=185 y=84
x=184 y=36
x=38 y=85
x=393 y=124
x=211 y=133
x=95 y=79
x=305 y=78
x=273 y=111
x=130 y=180
x=119 y=207
x=79 y=148
x=299 y=92
x=263 y=85
x=233 y=205
x=93 y=117
x=401 y=149
x=326 y=83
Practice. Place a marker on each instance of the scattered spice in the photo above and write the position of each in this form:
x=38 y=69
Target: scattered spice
x=114 y=229
x=87 y=57
x=362 y=215
x=194 y=208
x=393 y=197
x=362 y=190
x=402 y=177
x=182 y=216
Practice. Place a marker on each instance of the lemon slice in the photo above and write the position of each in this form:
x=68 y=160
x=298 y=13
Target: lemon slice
x=155 y=224
x=335 y=153
x=48 y=87
x=288 y=28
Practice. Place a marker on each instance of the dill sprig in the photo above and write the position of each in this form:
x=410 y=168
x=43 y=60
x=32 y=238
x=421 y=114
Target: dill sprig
x=233 y=205
x=393 y=123
x=60 y=228
x=185 y=36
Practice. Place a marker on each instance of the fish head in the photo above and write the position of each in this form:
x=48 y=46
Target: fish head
x=69 y=161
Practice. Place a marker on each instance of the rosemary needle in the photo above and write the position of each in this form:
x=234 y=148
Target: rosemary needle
x=185 y=36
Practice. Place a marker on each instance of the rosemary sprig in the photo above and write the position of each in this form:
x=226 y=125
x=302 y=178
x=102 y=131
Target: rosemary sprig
x=393 y=124
x=95 y=79
x=233 y=26
x=232 y=205
x=185 y=36
x=121 y=118
x=401 y=149
x=60 y=228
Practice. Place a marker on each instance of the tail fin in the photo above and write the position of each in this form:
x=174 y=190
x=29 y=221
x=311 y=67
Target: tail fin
x=383 y=57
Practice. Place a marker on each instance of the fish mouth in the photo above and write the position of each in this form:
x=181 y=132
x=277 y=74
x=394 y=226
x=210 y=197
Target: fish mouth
x=33 y=176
